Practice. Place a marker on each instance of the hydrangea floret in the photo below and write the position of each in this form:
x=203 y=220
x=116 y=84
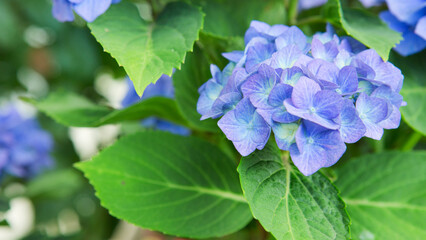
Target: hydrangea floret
x=89 y=10
x=24 y=147
x=164 y=88
x=315 y=94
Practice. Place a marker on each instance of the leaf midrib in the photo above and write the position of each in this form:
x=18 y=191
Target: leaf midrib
x=287 y=192
x=214 y=192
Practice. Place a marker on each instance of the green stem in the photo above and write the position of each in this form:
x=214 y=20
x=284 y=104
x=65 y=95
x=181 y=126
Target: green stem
x=292 y=12
x=411 y=142
x=379 y=145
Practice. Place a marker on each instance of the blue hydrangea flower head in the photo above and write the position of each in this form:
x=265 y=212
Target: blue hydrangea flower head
x=164 y=88
x=89 y=10
x=315 y=94
x=24 y=147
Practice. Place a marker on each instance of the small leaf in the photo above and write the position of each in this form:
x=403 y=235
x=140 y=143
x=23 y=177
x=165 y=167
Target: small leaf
x=177 y=185
x=148 y=50
x=186 y=81
x=414 y=89
x=386 y=195
x=70 y=109
x=363 y=26
x=288 y=204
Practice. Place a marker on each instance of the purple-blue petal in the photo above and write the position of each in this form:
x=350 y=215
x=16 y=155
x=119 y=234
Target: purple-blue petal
x=259 y=85
x=285 y=134
x=292 y=35
x=290 y=76
x=245 y=128
x=372 y=111
x=89 y=10
x=347 y=80
x=316 y=147
x=258 y=54
x=327 y=51
x=62 y=10
x=408 y=11
x=352 y=128
x=421 y=28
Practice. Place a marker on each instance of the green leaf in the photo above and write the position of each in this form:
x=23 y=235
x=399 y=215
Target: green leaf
x=414 y=89
x=148 y=50
x=386 y=195
x=289 y=204
x=363 y=26
x=72 y=110
x=186 y=81
x=178 y=185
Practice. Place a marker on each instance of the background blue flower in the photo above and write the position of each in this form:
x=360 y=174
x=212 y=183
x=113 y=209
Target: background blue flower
x=89 y=10
x=24 y=147
x=407 y=17
x=163 y=87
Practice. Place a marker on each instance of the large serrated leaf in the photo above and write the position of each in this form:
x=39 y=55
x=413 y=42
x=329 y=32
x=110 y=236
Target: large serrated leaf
x=148 y=50
x=177 y=185
x=363 y=26
x=73 y=110
x=386 y=195
x=289 y=204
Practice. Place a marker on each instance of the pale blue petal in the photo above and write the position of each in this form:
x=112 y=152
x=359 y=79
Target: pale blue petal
x=316 y=147
x=372 y=110
x=352 y=128
x=421 y=28
x=304 y=92
x=286 y=57
x=290 y=76
x=258 y=54
x=292 y=35
x=347 y=80
x=234 y=56
x=408 y=11
x=89 y=10
x=245 y=128
x=62 y=10
x=327 y=51
x=327 y=104
x=259 y=85
x=285 y=134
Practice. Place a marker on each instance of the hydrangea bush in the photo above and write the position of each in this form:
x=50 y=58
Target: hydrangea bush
x=241 y=119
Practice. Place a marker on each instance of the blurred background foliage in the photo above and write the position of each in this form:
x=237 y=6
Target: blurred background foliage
x=39 y=54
